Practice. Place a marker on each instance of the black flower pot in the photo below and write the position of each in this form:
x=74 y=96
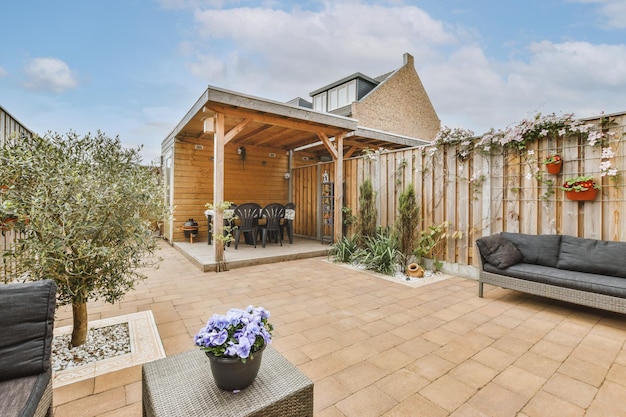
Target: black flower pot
x=231 y=374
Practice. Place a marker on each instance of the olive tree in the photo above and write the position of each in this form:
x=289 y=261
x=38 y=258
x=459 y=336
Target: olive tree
x=86 y=209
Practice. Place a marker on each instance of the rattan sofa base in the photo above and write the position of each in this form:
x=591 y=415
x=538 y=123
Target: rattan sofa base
x=585 y=298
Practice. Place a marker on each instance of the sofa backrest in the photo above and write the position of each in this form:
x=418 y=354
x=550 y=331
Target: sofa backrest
x=26 y=323
x=593 y=256
x=536 y=249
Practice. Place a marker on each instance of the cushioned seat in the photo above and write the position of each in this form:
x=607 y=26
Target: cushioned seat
x=27 y=311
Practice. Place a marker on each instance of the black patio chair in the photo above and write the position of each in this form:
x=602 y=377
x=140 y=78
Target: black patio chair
x=274 y=214
x=248 y=221
x=287 y=223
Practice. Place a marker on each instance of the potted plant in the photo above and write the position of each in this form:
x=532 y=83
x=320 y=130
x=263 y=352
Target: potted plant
x=553 y=163
x=234 y=344
x=582 y=188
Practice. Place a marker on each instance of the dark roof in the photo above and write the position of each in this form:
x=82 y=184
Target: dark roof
x=300 y=102
x=343 y=81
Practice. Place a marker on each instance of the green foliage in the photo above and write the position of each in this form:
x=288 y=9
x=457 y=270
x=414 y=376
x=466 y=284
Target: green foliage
x=367 y=210
x=407 y=222
x=90 y=207
x=380 y=253
x=344 y=250
x=430 y=238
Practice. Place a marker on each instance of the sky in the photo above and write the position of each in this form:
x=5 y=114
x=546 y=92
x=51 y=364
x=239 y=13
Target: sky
x=133 y=68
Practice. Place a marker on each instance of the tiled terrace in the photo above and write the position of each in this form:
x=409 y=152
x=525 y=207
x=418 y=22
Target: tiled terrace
x=379 y=348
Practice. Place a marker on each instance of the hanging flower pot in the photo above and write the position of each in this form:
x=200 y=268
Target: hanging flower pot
x=580 y=188
x=587 y=195
x=554 y=164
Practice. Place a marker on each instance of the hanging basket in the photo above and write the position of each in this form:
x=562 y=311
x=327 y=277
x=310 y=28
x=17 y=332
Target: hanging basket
x=555 y=167
x=587 y=195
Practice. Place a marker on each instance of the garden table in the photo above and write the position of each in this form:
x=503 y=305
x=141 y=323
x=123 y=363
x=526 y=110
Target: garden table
x=182 y=385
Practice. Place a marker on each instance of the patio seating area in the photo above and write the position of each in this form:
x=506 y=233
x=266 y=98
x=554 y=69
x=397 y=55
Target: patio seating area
x=378 y=348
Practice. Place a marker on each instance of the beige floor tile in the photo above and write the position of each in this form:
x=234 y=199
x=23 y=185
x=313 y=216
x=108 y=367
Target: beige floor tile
x=545 y=404
x=473 y=373
x=520 y=381
x=537 y=364
x=402 y=384
x=448 y=392
x=391 y=360
x=414 y=406
x=583 y=371
x=368 y=402
x=359 y=376
x=494 y=358
x=117 y=378
x=571 y=390
x=496 y=401
x=431 y=367
x=327 y=392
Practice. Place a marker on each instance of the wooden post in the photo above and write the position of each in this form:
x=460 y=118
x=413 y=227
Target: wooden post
x=338 y=219
x=218 y=193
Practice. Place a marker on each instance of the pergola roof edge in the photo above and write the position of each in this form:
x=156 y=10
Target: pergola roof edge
x=387 y=137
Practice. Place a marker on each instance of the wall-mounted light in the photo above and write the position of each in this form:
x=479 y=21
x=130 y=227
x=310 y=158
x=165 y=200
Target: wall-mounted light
x=286 y=175
x=241 y=151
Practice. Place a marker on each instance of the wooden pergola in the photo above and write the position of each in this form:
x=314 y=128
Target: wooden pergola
x=234 y=118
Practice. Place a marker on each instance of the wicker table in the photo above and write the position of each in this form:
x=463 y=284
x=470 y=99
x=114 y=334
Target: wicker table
x=182 y=385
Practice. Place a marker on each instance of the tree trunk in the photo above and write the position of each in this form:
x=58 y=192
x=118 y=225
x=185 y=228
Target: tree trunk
x=79 y=330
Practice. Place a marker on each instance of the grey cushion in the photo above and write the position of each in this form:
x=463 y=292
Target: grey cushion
x=593 y=256
x=27 y=312
x=498 y=251
x=536 y=249
x=583 y=281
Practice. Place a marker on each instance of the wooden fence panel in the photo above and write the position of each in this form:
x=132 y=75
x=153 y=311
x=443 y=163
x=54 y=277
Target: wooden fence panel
x=486 y=194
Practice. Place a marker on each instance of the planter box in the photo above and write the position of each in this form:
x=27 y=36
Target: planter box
x=587 y=195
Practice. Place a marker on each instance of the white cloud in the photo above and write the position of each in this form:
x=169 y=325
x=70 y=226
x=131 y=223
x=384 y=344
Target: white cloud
x=613 y=12
x=3 y=72
x=280 y=54
x=49 y=74
x=264 y=51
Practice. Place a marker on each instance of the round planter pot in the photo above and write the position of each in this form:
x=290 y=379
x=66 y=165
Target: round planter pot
x=415 y=271
x=231 y=374
x=587 y=195
x=554 y=168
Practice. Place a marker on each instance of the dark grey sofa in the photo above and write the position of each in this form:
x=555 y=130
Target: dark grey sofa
x=584 y=271
x=26 y=323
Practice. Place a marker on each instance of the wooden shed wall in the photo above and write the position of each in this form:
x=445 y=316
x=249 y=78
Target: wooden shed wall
x=258 y=179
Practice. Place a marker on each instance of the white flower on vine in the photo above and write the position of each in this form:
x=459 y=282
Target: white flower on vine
x=607 y=153
x=594 y=137
x=531 y=152
x=529 y=176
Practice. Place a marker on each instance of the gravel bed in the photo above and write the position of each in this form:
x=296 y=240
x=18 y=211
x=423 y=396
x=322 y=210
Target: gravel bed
x=102 y=343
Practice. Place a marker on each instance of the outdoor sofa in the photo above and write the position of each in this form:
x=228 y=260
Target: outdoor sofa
x=583 y=271
x=27 y=320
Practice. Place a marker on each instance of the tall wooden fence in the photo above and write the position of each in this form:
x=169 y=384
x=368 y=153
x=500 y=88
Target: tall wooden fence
x=484 y=194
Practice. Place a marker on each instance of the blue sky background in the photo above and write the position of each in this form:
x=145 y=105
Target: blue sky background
x=133 y=68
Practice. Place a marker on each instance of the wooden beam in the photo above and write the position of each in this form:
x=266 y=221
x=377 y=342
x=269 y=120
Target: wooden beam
x=275 y=120
x=236 y=130
x=351 y=151
x=328 y=144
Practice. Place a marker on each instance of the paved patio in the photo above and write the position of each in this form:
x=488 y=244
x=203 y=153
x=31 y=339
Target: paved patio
x=379 y=348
